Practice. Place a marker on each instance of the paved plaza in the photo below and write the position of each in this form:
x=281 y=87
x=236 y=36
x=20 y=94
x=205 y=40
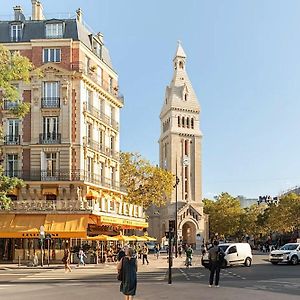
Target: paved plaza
x=261 y=281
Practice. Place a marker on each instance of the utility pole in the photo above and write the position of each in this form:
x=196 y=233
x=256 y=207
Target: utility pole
x=176 y=208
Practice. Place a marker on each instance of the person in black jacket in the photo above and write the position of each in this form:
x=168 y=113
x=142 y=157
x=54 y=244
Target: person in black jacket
x=216 y=256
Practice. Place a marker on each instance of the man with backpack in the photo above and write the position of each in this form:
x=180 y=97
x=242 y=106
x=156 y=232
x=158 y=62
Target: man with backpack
x=216 y=257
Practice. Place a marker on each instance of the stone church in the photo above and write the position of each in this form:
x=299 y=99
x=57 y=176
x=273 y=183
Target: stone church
x=180 y=153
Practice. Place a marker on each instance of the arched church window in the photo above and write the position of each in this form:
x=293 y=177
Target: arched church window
x=183 y=122
x=185 y=97
x=192 y=123
x=188 y=122
x=178 y=120
x=166 y=100
x=175 y=66
x=181 y=65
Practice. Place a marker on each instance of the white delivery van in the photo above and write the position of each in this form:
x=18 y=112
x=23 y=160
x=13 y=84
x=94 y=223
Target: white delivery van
x=235 y=254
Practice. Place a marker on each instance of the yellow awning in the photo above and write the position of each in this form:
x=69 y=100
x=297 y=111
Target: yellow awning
x=123 y=222
x=138 y=238
x=50 y=191
x=67 y=226
x=102 y=237
x=21 y=226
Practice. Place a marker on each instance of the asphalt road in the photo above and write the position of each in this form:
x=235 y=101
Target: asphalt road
x=261 y=281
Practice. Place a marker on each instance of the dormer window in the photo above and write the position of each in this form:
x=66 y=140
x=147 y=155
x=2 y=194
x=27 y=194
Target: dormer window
x=16 y=32
x=97 y=49
x=54 y=30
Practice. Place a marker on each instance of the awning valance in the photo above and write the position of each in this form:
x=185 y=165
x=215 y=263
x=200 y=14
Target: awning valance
x=123 y=222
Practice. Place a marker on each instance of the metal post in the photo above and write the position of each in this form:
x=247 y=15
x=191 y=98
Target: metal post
x=170 y=257
x=176 y=208
x=42 y=253
x=19 y=261
x=48 y=252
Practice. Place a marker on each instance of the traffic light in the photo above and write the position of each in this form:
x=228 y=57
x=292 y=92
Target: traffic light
x=172 y=225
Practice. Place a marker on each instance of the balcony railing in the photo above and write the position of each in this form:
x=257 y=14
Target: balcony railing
x=50 y=138
x=8 y=104
x=50 y=102
x=92 y=74
x=12 y=140
x=100 y=115
x=100 y=148
x=65 y=175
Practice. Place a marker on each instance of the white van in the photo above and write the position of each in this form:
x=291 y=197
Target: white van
x=235 y=254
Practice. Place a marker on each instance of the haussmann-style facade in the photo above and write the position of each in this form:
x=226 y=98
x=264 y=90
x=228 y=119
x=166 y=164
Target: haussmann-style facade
x=66 y=149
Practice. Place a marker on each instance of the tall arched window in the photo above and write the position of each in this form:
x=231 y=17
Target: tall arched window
x=192 y=123
x=186 y=147
x=179 y=121
x=182 y=122
x=185 y=97
x=188 y=122
x=181 y=65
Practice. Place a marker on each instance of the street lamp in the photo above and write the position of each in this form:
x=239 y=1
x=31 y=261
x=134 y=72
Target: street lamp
x=176 y=208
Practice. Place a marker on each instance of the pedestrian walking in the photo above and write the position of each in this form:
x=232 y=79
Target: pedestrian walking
x=121 y=253
x=66 y=258
x=156 y=251
x=180 y=251
x=145 y=255
x=81 y=256
x=127 y=269
x=189 y=256
x=216 y=257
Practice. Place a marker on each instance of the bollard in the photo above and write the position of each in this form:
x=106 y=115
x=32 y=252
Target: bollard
x=19 y=261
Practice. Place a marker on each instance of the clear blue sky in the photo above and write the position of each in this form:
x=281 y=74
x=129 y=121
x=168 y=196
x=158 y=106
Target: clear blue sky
x=244 y=63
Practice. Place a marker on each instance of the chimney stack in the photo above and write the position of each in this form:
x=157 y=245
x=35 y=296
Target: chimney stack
x=18 y=12
x=79 y=14
x=37 y=10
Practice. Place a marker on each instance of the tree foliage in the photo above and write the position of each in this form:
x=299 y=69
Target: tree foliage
x=227 y=218
x=13 y=68
x=146 y=184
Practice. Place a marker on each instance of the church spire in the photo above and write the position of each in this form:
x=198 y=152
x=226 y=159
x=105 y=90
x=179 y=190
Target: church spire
x=179 y=52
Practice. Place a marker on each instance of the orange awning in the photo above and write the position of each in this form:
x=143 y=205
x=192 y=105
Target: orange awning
x=50 y=191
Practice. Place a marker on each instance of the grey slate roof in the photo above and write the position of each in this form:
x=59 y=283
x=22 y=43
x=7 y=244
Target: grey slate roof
x=36 y=30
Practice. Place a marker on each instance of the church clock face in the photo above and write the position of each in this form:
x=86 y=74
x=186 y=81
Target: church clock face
x=186 y=160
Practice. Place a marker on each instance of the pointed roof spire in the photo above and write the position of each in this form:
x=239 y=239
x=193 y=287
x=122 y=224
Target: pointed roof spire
x=179 y=52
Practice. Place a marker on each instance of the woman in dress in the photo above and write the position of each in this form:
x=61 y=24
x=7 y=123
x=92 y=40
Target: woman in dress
x=127 y=267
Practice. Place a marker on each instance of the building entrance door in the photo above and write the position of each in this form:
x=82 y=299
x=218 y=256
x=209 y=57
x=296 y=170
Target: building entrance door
x=189 y=234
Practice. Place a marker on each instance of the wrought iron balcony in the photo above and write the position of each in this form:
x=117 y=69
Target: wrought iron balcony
x=65 y=175
x=50 y=102
x=12 y=140
x=88 y=142
x=8 y=104
x=100 y=115
x=50 y=138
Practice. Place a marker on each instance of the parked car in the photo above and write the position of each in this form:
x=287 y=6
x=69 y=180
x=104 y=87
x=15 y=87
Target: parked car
x=235 y=254
x=289 y=253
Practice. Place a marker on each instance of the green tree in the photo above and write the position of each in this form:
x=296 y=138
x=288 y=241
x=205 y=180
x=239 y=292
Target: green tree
x=145 y=184
x=13 y=68
x=224 y=215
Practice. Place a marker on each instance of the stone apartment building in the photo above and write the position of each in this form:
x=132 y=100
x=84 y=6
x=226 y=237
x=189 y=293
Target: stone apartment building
x=66 y=149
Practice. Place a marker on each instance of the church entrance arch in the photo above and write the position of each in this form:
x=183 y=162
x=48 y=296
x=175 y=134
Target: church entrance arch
x=189 y=233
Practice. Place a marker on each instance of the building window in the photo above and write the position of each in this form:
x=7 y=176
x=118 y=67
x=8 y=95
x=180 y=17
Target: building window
x=99 y=75
x=51 y=164
x=186 y=147
x=12 y=165
x=101 y=138
x=90 y=167
x=101 y=166
x=110 y=84
x=178 y=121
x=192 y=123
x=13 y=132
x=51 y=95
x=51 y=55
x=89 y=98
x=89 y=131
x=182 y=122
x=87 y=64
x=16 y=32
x=185 y=97
x=54 y=30
x=97 y=49
x=188 y=122
x=50 y=129
x=112 y=175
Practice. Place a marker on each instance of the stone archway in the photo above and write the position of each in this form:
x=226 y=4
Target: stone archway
x=189 y=233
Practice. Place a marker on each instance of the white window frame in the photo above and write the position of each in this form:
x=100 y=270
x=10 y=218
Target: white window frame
x=13 y=130
x=50 y=127
x=12 y=159
x=16 y=32
x=51 y=55
x=54 y=30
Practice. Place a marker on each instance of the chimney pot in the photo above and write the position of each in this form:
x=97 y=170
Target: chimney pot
x=37 y=10
x=18 y=13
